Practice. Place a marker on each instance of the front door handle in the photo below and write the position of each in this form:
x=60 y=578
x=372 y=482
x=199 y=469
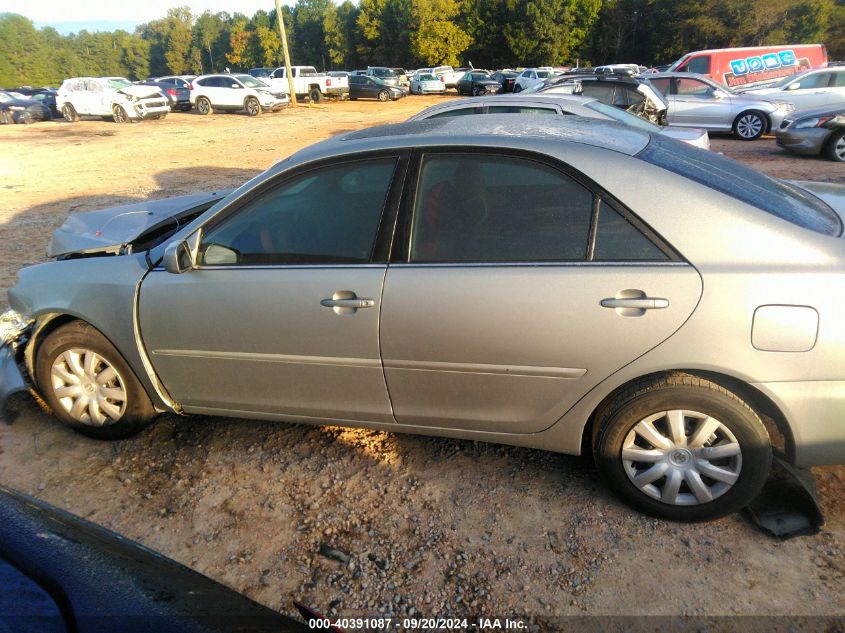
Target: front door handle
x=644 y=303
x=346 y=302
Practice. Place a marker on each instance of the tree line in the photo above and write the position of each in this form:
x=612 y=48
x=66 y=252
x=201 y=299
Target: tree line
x=411 y=33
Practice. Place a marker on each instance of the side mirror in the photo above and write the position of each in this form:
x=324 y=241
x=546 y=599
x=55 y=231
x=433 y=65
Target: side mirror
x=235 y=86
x=178 y=258
x=794 y=86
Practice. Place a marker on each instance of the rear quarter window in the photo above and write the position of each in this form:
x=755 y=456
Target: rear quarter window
x=743 y=183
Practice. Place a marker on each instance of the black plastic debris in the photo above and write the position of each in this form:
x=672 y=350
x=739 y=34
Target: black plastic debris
x=787 y=506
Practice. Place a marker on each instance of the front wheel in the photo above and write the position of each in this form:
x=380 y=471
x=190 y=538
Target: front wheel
x=119 y=114
x=835 y=148
x=69 y=113
x=750 y=125
x=682 y=448
x=383 y=95
x=88 y=384
x=252 y=107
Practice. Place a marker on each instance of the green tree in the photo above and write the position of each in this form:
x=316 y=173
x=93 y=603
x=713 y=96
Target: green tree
x=269 y=45
x=435 y=38
x=238 y=42
x=208 y=30
x=178 y=39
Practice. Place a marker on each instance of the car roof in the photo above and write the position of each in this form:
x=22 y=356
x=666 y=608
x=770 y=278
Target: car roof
x=537 y=133
x=516 y=99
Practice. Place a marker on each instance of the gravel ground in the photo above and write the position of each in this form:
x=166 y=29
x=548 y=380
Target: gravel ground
x=357 y=522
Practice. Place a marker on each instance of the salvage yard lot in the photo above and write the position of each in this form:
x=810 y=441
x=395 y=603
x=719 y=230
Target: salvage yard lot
x=432 y=527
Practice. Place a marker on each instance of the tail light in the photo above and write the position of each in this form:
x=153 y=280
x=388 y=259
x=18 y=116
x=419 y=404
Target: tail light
x=172 y=91
x=328 y=81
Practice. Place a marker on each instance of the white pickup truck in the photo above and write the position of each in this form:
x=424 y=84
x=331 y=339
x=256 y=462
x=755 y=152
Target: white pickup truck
x=306 y=82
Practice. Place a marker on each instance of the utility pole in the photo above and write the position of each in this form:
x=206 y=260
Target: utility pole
x=288 y=73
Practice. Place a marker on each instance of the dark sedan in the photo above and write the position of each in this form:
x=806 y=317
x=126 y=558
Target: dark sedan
x=816 y=131
x=506 y=79
x=364 y=87
x=178 y=95
x=16 y=109
x=478 y=82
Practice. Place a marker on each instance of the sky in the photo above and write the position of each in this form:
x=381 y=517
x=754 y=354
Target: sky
x=100 y=15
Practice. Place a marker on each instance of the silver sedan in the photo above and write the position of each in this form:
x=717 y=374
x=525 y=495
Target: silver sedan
x=551 y=104
x=581 y=285
x=697 y=101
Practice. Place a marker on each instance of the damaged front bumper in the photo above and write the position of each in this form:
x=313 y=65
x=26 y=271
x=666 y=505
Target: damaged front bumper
x=14 y=333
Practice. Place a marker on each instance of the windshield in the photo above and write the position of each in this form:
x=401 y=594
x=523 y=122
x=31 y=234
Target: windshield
x=250 y=82
x=743 y=183
x=786 y=80
x=674 y=66
x=118 y=82
x=426 y=77
x=618 y=114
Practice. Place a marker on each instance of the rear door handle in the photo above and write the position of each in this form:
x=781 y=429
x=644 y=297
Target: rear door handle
x=646 y=303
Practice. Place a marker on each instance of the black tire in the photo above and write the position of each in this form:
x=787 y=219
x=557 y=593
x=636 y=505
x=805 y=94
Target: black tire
x=689 y=394
x=137 y=411
x=69 y=113
x=383 y=95
x=26 y=118
x=315 y=95
x=476 y=91
x=204 y=106
x=252 y=107
x=119 y=114
x=835 y=148
x=517 y=88
x=750 y=125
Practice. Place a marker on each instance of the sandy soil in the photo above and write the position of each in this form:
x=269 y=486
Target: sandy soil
x=425 y=526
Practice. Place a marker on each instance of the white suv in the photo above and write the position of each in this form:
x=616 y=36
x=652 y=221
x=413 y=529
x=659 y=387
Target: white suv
x=114 y=97
x=235 y=92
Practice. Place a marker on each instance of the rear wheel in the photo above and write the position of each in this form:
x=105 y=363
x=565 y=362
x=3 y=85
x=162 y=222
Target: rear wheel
x=203 y=106
x=88 y=384
x=835 y=148
x=252 y=107
x=383 y=95
x=517 y=88
x=119 y=114
x=682 y=448
x=750 y=125
x=315 y=95
x=69 y=113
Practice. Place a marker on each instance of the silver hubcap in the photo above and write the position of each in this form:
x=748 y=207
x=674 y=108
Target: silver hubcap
x=202 y=106
x=681 y=457
x=88 y=388
x=839 y=148
x=749 y=126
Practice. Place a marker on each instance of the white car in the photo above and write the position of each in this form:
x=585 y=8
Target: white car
x=423 y=82
x=530 y=77
x=114 y=97
x=811 y=89
x=235 y=92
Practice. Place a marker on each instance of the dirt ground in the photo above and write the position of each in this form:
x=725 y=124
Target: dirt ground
x=430 y=527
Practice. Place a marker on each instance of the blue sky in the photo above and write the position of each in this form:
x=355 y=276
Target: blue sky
x=97 y=14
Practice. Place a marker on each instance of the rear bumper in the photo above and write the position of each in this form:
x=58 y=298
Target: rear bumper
x=337 y=90
x=815 y=411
